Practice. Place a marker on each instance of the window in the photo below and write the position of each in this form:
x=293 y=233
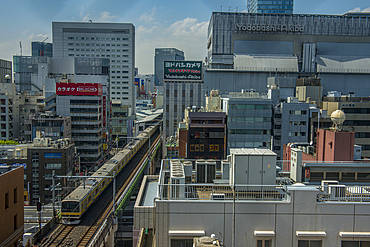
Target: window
x=15 y=222
x=15 y=195
x=182 y=242
x=6 y=200
x=309 y=243
x=355 y=243
x=53 y=155
x=53 y=166
x=264 y=243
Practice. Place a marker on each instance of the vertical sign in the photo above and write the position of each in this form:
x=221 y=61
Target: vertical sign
x=104 y=111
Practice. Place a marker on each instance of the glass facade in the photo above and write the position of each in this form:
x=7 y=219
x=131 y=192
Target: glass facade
x=270 y=7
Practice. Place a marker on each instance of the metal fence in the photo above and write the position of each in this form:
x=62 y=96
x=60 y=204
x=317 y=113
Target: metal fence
x=222 y=192
x=342 y=193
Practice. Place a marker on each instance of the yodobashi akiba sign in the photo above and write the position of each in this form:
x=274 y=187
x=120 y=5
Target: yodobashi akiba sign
x=183 y=70
x=268 y=27
x=63 y=88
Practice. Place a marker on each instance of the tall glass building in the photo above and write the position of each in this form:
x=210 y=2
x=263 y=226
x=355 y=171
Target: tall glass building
x=270 y=7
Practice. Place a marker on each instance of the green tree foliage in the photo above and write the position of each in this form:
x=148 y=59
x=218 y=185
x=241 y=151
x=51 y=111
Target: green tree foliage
x=8 y=142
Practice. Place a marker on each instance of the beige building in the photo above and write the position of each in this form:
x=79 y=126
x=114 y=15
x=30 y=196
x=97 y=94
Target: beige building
x=357 y=110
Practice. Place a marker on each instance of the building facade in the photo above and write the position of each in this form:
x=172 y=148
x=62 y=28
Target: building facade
x=38 y=160
x=181 y=93
x=161 y=55
x=244 y=49
x=270 y=7
x=5 y=69
x=249 y=120
x=11 y=206
x=115 y=41
x=291 y=124
x=42 y=49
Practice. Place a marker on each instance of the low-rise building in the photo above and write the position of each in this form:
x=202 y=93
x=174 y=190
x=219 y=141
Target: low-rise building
x=247 y=208
x=39 y=159
x=11 y=206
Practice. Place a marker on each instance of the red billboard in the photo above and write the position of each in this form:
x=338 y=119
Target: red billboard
x=63 y=88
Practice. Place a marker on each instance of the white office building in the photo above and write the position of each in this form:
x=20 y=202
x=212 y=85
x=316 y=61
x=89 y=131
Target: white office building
x=115 y=41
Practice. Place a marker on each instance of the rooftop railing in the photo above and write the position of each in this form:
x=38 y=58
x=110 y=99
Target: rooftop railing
x=222 y=192
x=343 y=193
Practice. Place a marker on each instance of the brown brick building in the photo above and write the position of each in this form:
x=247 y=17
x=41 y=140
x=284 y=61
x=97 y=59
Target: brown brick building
x=11 y=206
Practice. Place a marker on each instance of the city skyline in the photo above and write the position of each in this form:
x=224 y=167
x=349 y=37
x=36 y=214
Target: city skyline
x=157 y=24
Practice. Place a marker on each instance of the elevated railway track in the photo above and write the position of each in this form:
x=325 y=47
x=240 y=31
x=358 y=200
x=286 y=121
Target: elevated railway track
x=101 y=215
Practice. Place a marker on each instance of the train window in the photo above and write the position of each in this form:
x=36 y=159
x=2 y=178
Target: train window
x=316 y=176
x=363 y=176
x=348 y=176
x=332 y=176
x=70 y=207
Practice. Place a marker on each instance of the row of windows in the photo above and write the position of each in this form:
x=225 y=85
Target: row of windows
x=109 y=50
x=119 y=87
x=7 y=198
x=340 y=176
x=249 y=107
x=95 y=55
x=297 y=112
x=53 y=166
x=118 y=66
x=124 y=77
x=248 y=144
x=297 y=134
x=120 y=92
x=82 y=44
x=118 y=82
x=275 y=2
x=297 y=122
x=52 y=155
x=250 y=119
x=117 y=71
x=357 y=110
x=119 y=98
x=249 y=132
x=95 y=38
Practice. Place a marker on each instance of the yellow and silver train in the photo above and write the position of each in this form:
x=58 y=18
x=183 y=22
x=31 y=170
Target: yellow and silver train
x=79 y=200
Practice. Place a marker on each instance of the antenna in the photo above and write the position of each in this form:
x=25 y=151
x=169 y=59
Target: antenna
x=20 y=47
x=44 y=40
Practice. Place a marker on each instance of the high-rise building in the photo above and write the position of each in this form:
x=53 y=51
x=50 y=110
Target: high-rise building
x=115 y=41
x=161 y=55
x=270 y=7
x=42 y=49
x=181 y=90
x=5 y=69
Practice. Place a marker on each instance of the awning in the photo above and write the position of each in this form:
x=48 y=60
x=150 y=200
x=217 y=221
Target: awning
x=185 y=233
x=354 y=234
x=310 y=234
x=264 y=233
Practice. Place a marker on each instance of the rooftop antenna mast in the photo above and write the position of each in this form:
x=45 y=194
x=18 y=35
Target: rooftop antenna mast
x=20 y=47
x=44 y=40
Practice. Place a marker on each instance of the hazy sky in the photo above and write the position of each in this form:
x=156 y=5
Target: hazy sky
x=159 y=23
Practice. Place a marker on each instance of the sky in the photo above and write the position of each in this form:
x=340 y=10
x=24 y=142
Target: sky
x=158 y=23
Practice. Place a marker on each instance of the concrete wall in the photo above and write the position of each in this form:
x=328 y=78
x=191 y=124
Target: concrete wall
x=301 y=213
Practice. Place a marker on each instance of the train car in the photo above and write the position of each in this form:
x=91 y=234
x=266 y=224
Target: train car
x=80 y=199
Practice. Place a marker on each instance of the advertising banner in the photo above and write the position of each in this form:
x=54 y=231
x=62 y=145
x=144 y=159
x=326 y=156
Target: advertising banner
x=104 y=111
x=183 y=70
x=63 y=88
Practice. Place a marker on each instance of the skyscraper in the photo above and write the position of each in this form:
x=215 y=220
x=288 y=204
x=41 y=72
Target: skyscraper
x=115 y=41
x=161 y=55
x=270 y=7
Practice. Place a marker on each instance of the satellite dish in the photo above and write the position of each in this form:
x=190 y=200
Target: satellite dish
x=338 y=117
